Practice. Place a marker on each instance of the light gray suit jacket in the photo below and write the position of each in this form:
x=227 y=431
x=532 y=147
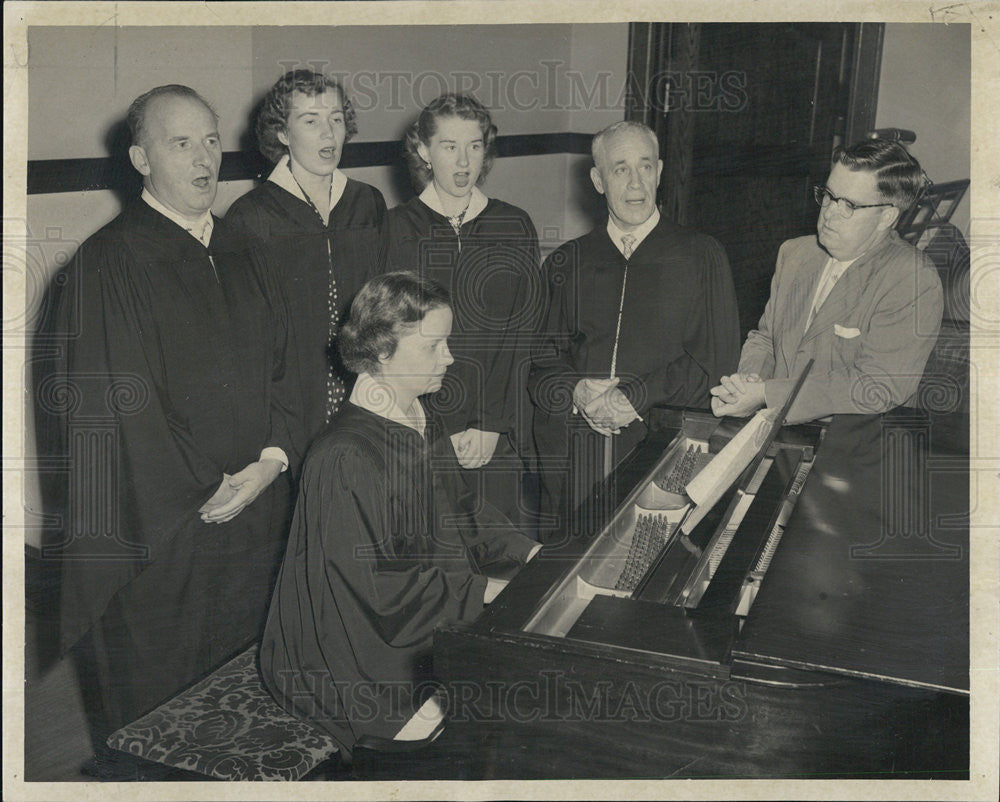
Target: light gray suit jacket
x=870 y=339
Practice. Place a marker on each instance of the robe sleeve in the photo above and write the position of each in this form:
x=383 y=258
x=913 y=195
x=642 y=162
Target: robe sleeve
x=496 y=546
x=381 y=214
x=286 y=426
x=499 y=396
x=380 y=593
x=246 y=217
x=400 y=240
x=711 y=339
x=136 y=474
x=552 y=377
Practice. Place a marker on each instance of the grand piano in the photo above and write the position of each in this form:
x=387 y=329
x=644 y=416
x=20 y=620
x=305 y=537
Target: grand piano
x=812 y=624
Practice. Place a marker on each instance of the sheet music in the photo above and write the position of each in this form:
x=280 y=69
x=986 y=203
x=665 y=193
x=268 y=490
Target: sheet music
x=718 y=476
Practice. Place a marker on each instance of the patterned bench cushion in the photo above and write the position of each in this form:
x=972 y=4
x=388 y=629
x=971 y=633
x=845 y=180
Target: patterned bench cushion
x=227 y=726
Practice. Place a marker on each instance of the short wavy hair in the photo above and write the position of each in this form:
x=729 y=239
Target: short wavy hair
x=602 y=136
x=277 y=105
x=450 y=104
x=899 y=178
x=135 y=117
x=385 y=309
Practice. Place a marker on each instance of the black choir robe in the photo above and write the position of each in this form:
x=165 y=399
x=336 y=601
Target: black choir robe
x=679 y=335
x=167 y=371
x=303 y=252
x=491 y=269
x=385 y=546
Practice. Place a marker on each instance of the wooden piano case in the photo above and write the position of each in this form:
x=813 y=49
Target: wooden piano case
x=815 y=627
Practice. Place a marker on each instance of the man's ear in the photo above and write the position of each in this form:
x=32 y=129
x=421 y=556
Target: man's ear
x=888 y=218
x=595 y=177
x=137 y=155
x=659 y=170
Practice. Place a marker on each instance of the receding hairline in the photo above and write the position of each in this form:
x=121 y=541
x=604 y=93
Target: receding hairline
x=598 y=145
x=151 y=103
x=191 y=98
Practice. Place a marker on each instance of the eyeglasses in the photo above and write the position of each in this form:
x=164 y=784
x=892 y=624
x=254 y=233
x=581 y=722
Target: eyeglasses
x=824 y=197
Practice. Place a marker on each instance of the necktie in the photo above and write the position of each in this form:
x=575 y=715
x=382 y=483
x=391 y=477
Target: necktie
x=830 y=278
x=203 y=232
x=628 y=245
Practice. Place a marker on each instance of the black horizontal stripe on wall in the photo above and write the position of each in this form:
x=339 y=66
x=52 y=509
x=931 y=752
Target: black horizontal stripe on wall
x=47 y=176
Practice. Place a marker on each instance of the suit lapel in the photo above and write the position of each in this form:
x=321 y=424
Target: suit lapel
x=800 y=296
x=844 y=296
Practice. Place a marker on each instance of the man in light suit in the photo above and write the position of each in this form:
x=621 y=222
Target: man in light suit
x=861 y=302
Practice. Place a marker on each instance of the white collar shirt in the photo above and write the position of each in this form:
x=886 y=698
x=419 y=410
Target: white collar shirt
x=282 y=176
x=370 y=394
x=640 y=232
x=477 y=203
x=832 y=271
x=200 y=229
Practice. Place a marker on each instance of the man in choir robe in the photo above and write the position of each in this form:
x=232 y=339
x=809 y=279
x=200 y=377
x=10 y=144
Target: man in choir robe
x=168 y=400
x=641 y=311
x=862 y=303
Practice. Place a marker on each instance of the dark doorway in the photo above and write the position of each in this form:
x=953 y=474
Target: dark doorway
x=747 y=116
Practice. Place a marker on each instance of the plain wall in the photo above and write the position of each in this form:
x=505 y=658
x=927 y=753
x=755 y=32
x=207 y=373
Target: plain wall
x=595 y=99
x=924 y=86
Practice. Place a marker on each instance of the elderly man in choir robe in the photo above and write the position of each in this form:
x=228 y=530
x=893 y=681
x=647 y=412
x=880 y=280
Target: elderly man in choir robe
x=641 y=311
x=171 y=361
x=859 y=301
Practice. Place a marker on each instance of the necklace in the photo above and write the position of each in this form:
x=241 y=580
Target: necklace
x=304 y=193
x=458 y=219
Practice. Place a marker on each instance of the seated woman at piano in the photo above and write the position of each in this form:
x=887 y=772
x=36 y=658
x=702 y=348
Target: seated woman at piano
x=387 y=542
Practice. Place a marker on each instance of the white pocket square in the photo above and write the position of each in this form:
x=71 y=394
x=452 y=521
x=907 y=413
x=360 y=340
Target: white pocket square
x=846 y=333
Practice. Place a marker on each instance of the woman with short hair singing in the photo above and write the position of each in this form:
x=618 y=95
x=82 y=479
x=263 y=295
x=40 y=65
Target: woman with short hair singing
x=321 y=231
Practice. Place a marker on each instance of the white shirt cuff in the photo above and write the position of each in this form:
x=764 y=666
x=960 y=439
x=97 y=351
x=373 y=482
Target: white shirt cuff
x=273 y=452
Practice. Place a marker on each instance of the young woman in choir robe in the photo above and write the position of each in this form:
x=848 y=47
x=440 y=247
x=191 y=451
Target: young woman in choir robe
x=486 y=252
x=322 y=231
x=386 y=543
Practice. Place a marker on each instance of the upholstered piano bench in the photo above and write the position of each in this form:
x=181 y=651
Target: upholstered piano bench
x=227 y=726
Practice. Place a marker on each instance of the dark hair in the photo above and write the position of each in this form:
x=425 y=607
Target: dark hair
x=900 y=179
x=135 y=117
x=277 y=105
x=450 y=104
x=381 y=313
